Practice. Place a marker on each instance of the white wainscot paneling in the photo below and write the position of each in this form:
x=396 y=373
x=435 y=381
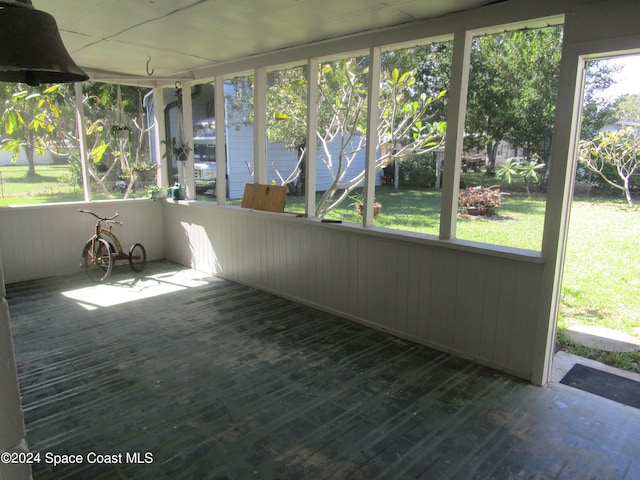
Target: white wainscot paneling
x=47 y=240
x=470 y=303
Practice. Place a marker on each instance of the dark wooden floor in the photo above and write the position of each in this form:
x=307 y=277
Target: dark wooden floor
x=216 y=380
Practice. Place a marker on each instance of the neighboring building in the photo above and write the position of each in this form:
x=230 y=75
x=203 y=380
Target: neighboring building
x=239 y=146
x=6 y=158
x=619 y=125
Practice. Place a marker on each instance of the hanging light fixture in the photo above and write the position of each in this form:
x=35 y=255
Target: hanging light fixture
x=31 y=49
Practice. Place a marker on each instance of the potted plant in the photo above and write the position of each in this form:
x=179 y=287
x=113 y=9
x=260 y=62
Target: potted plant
x=155 y=191
x=178 y=149
x=358 y=203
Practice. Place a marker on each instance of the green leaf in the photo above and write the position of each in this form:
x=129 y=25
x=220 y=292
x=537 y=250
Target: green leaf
x=282 y=116
x=11 y=122
x=98 y=152
x=299 y=83
x=394 y=76
x=94 y=127
x=10 y=145
x=53 y=108
x=53 y=88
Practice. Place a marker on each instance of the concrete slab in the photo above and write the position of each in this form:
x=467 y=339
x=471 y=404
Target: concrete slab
x=564 y=361
x=603 y=338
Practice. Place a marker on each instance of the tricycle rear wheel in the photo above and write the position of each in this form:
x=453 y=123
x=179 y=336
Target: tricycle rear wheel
x=137 y=257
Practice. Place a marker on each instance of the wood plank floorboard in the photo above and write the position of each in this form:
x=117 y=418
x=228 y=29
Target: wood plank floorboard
x=216 y=380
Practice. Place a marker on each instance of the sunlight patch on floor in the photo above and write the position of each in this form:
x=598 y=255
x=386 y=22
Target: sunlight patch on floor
x=123 y=289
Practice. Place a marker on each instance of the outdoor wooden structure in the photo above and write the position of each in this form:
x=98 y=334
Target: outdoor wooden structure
x=417 y=287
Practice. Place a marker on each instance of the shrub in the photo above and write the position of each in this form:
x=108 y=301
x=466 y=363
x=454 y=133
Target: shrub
x=480 y=200
x=418 y=171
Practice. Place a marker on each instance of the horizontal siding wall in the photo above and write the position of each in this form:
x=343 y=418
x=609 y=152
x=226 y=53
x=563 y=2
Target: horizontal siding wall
x=474 y=305
x=47 y=240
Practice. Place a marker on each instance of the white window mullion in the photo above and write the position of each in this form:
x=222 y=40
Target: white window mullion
x=312 y=142
x=160 y=148
x=455 y=133
x=372 y=132
x=187 y=125
x=82 y=137
x=221 y=131
x=260 y=126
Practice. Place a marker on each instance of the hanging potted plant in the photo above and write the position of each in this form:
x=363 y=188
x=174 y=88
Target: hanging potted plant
x=179 y=150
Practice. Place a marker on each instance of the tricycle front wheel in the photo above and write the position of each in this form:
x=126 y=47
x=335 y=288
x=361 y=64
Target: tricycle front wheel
x=98 y=260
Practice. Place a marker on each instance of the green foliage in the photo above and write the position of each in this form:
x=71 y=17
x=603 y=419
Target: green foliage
x=73 y=176
x=508 y=172
x=512 y=87
x=618 y=150
x=418 y=171
x=528 y=171
x=287 y=107
x=30 y=120
x=628 y=108
x=598 y=110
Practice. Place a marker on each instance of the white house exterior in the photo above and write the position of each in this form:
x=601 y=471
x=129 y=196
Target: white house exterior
x=239 y=144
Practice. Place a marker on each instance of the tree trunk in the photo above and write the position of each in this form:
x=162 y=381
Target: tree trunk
x=396 y=173
x=29 y=151
x=492 y=148
x=627 y=192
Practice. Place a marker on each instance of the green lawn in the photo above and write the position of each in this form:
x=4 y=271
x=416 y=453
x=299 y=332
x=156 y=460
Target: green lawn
x=602 y=274
x=49 y=185
x=601 y=284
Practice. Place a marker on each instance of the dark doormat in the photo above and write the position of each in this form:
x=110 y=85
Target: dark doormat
x=603 y=384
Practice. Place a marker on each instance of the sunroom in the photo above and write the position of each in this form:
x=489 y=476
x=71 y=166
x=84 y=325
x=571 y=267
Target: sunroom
x=430 y=281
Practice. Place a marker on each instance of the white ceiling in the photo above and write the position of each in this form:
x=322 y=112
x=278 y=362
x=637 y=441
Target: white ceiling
x=116 y=38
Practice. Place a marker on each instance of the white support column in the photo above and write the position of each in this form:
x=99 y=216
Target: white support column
x=260 y=126
x=12 y=433
x=82 y=137
x=187 y=125
x=566 y=135
x=159 y=129
x=455 y=133
x=372 y=132
x=311 y=162
x=221 y=131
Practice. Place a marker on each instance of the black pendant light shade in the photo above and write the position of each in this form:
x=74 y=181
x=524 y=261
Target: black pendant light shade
x=31 y=49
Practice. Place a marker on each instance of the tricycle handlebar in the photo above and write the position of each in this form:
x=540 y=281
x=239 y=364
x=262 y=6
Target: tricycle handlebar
x=97 y=216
